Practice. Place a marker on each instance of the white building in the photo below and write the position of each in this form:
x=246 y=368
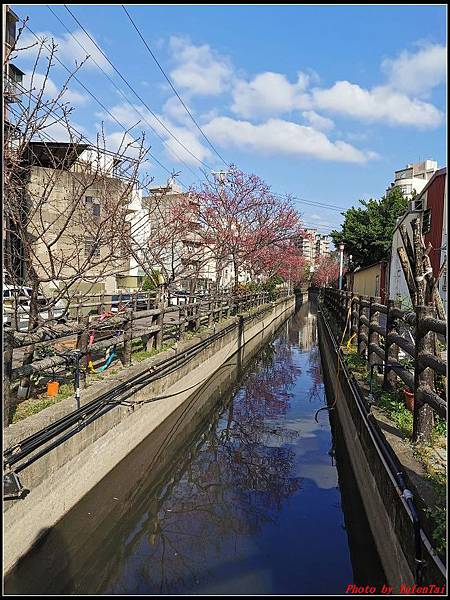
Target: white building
x=322 y=245
x=313 y=245
x=413 y=178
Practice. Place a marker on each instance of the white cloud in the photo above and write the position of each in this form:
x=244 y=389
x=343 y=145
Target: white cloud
x=187 y=137
x=317 y=121
x=269 y=94
x=59 y=132
x=395 y=103
x=378 y=104
x=37 y=81
x=68 y=50
x=199 y=70
x=175 y=110
x=417 y=73
x=190 y=140
x=277 y=136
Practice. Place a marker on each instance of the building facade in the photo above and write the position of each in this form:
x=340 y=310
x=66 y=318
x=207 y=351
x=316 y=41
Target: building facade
x=431 y=206
x=313 y=244
x=369 y=281
x=71 y=228
x=413 y=178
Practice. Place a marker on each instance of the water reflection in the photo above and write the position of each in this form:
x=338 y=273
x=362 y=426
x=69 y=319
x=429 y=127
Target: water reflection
x=251 y=506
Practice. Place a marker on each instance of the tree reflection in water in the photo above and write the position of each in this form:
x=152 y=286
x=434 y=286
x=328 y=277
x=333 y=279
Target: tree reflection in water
x=230 y=484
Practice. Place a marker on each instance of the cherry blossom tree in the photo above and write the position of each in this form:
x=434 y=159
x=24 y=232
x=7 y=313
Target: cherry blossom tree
x=326 y=272
x=284 y=259
x=240 y=219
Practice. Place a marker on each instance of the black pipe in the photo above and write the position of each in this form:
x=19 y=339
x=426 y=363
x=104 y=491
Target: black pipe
x=102 y=404
x=32 y=442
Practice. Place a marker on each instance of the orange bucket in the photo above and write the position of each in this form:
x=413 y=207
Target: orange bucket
x=52 y=388
x=409 y=399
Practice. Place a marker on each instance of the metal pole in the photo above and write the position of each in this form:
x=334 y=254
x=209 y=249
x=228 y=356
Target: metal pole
x=341 y=265
x=77 y=357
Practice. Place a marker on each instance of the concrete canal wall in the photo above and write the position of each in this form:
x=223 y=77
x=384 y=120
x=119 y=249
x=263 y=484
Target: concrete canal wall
x=61 y=478
x=386 y=509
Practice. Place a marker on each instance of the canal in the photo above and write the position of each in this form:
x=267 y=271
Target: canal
x=255 y=496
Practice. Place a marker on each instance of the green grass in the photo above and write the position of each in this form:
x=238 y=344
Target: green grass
x=438 y=514
x=356 y=362
x=440 y=427
x=140 y=355
x=190 y=334
x=391 y=404
x=34 y=405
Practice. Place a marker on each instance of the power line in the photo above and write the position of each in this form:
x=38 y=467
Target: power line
x=119 y=90
x=312 y=203
x=104 y=108
x=173 y=88
x=136 y=94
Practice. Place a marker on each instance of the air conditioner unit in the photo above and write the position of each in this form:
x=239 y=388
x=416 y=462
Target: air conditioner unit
x=416 y=204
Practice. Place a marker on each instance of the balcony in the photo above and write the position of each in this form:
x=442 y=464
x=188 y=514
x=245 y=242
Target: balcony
x=13 y=89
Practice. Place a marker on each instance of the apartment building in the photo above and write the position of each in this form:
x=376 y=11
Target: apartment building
x=413 y=178
x=70 y=218
x=313 y=244
x=178 y=253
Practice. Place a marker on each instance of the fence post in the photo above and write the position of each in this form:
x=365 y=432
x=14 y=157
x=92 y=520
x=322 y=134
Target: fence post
x=229 y=307
x=182 y=321
x=210 y=313
x=77 y=300
x=390 y=349
x=127 y=337
x=100 y=308
x=82 y=345
x=7 y=370
x=354 y=316
x=362 y=328
x=341 y=303
x=374 y=336
x=423 y=376
x=197 y=309
x=160 y=322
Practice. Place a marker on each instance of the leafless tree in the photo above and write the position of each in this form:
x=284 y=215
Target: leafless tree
x=66 y=200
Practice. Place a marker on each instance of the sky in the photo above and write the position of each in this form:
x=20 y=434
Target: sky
x=323 y=102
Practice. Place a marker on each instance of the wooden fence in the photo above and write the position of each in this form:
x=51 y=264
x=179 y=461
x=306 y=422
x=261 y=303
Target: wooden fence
x=380 y=333
x=133 y=321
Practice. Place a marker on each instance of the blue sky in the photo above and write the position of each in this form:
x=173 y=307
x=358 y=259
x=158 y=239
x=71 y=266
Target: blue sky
x=323 y=102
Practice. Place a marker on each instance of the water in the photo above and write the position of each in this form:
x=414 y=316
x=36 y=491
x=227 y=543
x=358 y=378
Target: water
x=247 y=500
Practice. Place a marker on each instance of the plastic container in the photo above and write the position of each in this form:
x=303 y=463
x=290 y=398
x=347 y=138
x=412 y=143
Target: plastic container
x=52 y=388
x=409 y=399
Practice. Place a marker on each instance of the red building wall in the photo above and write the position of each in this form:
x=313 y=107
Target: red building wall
x=435 y=202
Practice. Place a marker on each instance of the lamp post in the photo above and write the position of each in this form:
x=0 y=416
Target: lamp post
x=341 y=264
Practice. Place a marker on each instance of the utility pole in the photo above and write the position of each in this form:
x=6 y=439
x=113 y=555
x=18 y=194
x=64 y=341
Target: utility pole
x=220 y=177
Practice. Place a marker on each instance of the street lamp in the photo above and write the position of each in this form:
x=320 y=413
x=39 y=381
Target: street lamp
x=341 y=264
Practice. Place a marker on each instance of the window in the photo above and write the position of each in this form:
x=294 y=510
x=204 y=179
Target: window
x=93 y=205
x=91 y=247
x=377 y=285
x=426 y=222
